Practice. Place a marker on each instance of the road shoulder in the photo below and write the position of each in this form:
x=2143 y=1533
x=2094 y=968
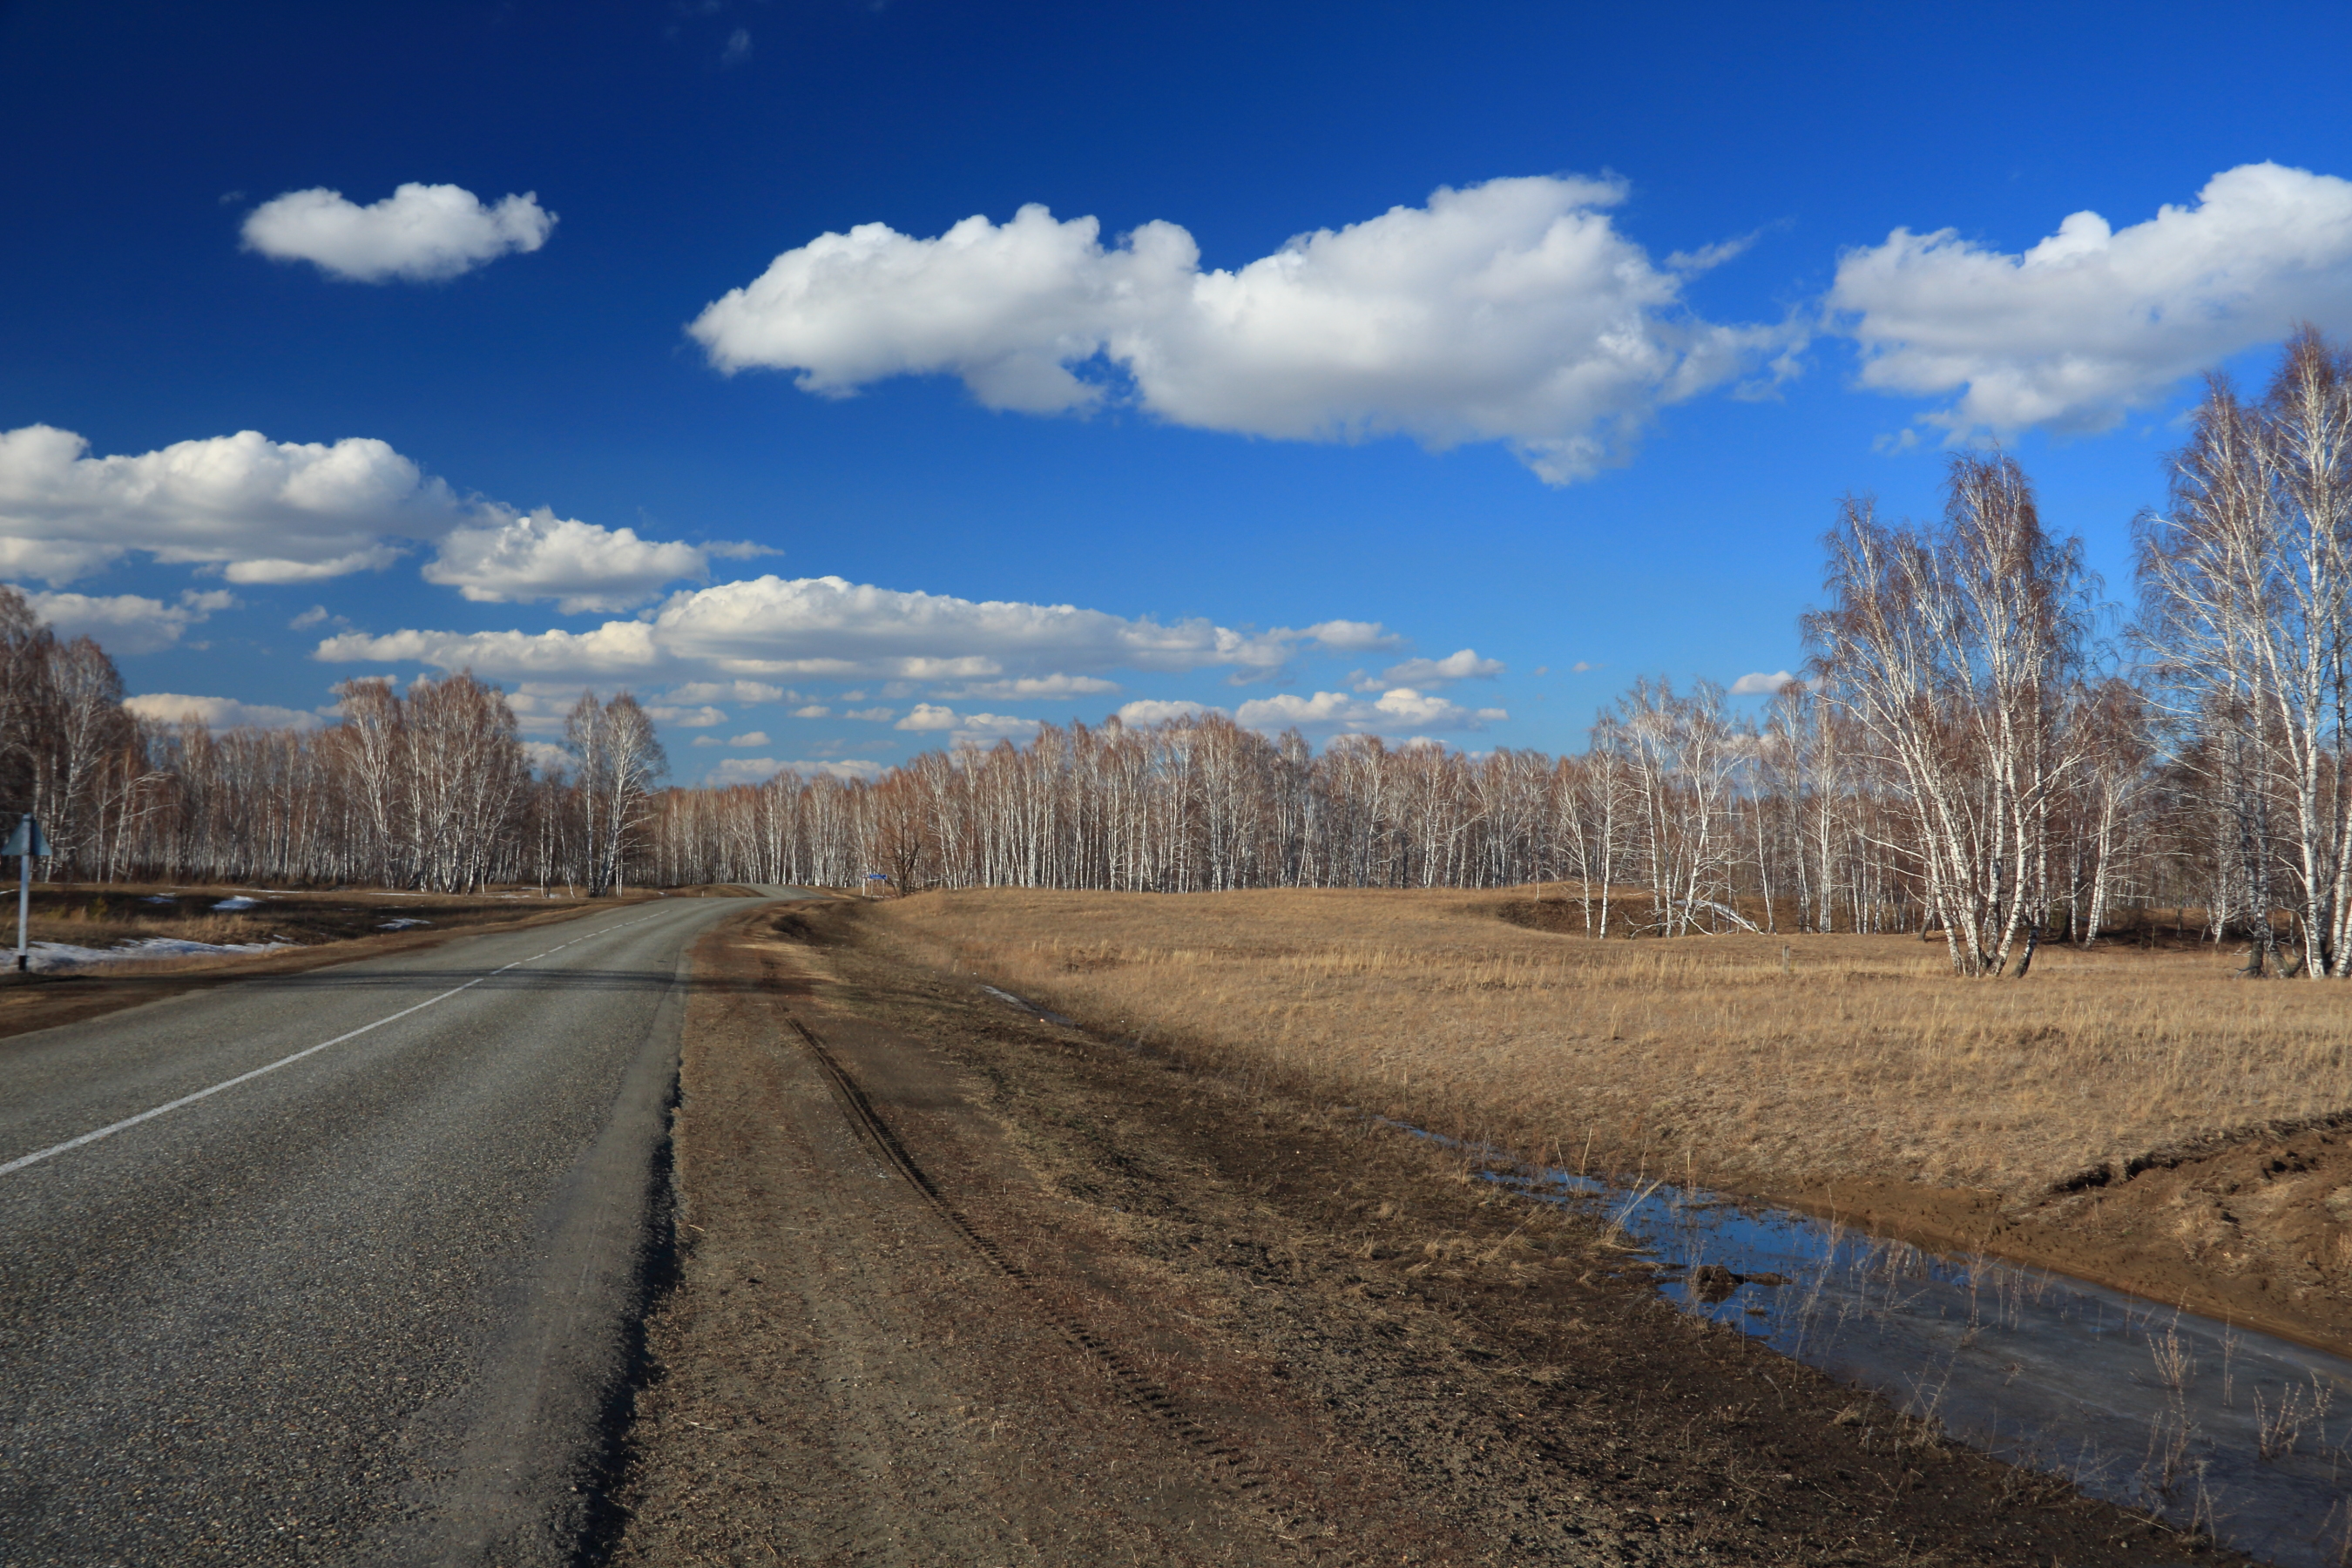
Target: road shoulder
x=1145 y=1315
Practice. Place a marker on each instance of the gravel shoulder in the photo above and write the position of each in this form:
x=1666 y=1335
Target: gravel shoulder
x=957 y=1284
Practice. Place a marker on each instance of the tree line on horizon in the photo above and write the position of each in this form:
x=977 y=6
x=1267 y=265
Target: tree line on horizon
x=1966 y=758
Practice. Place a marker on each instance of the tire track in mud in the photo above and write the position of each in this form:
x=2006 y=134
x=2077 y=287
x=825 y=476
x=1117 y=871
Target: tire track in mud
x=1233 y=1473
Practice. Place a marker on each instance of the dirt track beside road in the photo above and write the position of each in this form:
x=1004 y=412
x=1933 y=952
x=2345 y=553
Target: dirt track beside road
x=959 y=1285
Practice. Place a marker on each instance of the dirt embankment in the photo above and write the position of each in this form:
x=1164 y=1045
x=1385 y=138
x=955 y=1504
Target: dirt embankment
x=959 y=1285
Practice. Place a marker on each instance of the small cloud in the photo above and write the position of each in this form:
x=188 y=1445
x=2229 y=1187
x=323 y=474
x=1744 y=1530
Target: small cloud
x=731 y=691
x=1707 y=257
x=751 y=738
x=1583 y=666
x=316 y=616
x=1401 y=712
x=1462 y=665
x=813 y=711
x=687 y=717
x=760 y=770
x=872 y=715
x=708 y=741
x=1543 y=669
x=738 y=49
x=128 y=623
x=419 y=233
x=738 y=549
x=217 y=713
x=928 y=716
x=1030 y=688
x=744 y=770
x=1152 y=711
x=1354 y=636
x=1757 y=683
x=507 y=557
x=967 y=728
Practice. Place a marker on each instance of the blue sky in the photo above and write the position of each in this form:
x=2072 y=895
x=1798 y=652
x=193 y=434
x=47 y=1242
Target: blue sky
x=1540 y=420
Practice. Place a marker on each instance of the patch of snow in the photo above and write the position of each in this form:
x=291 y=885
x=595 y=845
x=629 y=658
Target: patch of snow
x=403 y=924
x=50 y=957
x=158 y=899
x=239 y=902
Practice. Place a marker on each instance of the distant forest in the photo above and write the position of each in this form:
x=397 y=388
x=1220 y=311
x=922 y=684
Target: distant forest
x=1967 y=757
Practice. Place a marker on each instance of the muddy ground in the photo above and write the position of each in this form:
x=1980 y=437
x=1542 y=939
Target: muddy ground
x=959 y=1285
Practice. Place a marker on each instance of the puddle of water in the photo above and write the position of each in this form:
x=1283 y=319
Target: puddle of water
x=2243 y=1433
x=1026 y=1006
x=2135 y=1401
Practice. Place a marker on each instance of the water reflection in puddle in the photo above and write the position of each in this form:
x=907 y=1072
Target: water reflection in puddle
x=2245 y=1435
x=2135 y=1401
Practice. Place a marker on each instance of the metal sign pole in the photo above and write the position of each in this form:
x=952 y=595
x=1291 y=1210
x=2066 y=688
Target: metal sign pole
x=24 y=844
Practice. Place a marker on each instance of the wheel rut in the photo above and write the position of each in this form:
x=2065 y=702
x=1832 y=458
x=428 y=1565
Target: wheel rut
x=1226 y=1467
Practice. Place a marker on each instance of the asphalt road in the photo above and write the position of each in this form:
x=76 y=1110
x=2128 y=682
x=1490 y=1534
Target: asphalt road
x=369 y=1305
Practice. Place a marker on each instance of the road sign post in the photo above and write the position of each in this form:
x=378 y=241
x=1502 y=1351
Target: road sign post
x=24 y=843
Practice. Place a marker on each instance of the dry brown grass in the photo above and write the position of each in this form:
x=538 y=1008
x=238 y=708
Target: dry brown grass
x=106 y=916
x=1699 y=1055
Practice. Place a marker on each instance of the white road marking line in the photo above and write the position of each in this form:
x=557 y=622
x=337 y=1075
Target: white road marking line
x=130 y=1122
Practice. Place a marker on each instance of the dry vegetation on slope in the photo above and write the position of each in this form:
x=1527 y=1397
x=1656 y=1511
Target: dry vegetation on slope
x=1941 y=1106
x=1865 y=1056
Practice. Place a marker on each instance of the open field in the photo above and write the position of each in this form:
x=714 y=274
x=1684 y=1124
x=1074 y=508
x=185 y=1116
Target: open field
x=1861 y=1076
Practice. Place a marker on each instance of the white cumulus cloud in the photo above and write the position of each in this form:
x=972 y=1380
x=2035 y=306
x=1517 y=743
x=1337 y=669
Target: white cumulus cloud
x=1512 y=310
x=731 y=691
x=127 y=622
x=508 y=559
x=217 y=712
x=2095 y=320
x=419 y=233
x=760 y=770
x=1354 y=636
x=1758 y=683
x=966 y=729
x=1049 y=687
x=1401 y=712
x=685 y=717
x=261 y=511
x=1156 y=711
x=927 y=716
x=621 y=649
x=1462 y=665
x=750 y=738
x=827 y=626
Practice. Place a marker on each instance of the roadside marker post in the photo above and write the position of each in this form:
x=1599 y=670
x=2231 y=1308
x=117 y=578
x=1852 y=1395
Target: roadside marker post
x=27 y=841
